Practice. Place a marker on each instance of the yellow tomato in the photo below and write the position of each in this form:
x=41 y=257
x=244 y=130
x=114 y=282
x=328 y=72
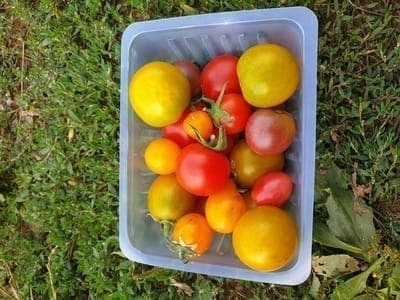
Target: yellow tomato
x=161 y=156
x=268 y=75
x=265 y=238
x=159 y=93
x=167 y=200
x=248 y=166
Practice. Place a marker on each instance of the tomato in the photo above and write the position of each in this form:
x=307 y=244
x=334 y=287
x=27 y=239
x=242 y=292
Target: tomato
x=199 y=121
x=216 y=73
x=268 y=75
x=239 y=111
x=269 y=131
x=161 y=156
x=192 y=73
x=248 y=166
x=175 y=132
x=273 y=188
x=193 y=231
x=202 y=171
x=167 y=200
x=159 y=93
x=232 y=112
x=265 y=238
x=224 y=208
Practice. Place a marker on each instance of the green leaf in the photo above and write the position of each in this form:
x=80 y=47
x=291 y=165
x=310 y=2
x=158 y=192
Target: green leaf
x=350 y=224
x=324 y=236
x=333 y=265
x=394 y=281
x=356 y=284
x=350 y=219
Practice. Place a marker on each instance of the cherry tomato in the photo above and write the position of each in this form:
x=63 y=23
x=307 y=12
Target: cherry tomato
x=201 y=121
x=265 y=238
x=239 y=111
x=273 y=188
x=192 y=73
x=248 y=166
x=161 y=156
x=167 y=200
x=175 y=132
x=193 y=231
x=216 y=73
x=269 y=131
x=224 y=208
x=268 y=74
x=202 y=171
x=159 y=93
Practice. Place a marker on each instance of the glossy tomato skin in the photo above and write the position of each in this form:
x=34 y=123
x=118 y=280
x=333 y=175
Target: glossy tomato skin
x=175 y=131
x=265 y=238
x=193 y=231
x=269 y=131
x=167 y=200
x=224 y=208
x=273 y=188
x=219 y=70
x=202 y=171
x=248 y=166
x=159 y=93
x=239 y=111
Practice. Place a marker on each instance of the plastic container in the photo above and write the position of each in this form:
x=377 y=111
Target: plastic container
x=200 y=38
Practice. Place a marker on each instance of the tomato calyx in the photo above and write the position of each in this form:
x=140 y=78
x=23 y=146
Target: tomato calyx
x=214 y=143
x=218 y=115
x=185 y=252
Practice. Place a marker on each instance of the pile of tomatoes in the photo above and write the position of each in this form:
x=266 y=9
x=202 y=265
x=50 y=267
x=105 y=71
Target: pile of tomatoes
x=220 y=159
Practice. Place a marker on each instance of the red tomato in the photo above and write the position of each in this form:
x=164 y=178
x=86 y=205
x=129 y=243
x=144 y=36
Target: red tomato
x=175 y=131
x=273 y=188
x=202 y=171
x=239 y=111
x=219 y=70
x=269 y=131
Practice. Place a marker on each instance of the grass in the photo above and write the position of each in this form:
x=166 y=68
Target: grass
x=59 y=118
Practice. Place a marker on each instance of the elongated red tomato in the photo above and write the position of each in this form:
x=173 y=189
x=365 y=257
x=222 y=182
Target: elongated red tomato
x=218 y=71
x=202 y=171
x=273 y=188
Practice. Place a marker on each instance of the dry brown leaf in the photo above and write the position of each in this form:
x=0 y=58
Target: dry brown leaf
x=360 y=190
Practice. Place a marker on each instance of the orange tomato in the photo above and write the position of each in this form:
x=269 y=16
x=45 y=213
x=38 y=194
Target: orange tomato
x=161 y=156
x=224 y=208
x=265 y=238
x=201 y=121
x=193 y=231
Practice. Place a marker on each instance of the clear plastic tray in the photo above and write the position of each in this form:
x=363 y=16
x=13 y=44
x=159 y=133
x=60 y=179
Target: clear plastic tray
x=200 y=38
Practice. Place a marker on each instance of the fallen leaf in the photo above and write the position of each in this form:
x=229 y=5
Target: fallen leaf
x=71 y=134
x=332 y=265
x=182 y=286
x=360 y=190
